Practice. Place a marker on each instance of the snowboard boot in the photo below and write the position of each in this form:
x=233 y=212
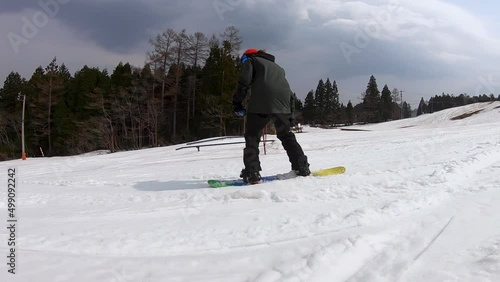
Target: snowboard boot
x=302 y=167
x=250 y=176
x=303 y=171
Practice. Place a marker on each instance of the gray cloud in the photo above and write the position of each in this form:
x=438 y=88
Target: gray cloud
x=418 y=44
x=115 y=25
x=270 y=26
x=118 y=26
x=7 y=7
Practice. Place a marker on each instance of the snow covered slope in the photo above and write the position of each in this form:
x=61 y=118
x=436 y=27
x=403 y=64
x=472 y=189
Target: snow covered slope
x=470 y=114
x=420 y=201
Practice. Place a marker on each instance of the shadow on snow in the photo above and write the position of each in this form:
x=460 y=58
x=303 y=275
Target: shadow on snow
x=156 y=186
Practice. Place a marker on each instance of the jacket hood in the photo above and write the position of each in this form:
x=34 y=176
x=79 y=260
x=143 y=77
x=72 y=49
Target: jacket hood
x=265 y=55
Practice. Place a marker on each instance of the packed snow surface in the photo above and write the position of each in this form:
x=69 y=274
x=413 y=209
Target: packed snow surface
x=420 y=201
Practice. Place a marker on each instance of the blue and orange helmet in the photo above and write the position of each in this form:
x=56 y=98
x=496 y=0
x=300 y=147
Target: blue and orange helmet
x=248 y=53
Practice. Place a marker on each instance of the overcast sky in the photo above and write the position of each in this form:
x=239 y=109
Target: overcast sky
x=423 y=47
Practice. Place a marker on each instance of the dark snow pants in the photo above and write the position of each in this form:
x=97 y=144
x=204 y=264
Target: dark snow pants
x=253 y=132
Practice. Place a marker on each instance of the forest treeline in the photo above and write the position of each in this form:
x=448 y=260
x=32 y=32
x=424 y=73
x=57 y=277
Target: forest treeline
x=446 y=101
x=182 y=93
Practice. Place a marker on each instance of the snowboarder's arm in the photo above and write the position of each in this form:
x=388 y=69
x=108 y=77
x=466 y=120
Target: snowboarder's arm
x=244 y=83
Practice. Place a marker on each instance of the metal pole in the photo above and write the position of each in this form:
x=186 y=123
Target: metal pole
x=23 y=155
x=401 y=104
x=265 y=138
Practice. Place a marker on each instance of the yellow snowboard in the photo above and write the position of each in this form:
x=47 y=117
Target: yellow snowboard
x=219 y=183
x=329 y=171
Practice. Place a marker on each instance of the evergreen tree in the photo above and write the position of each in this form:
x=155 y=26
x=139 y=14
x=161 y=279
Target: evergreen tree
x=396 y=106
x=212 y=72
x=230 y=71
x=461 y=100
x=371 y=101
x=430 y=105
x=386 y=104
x=341 y=116
x=10 y=115
x=336 y=95
x=64 y=124
x=13 y=86
x=219 y=77
x=84 y=100
x=120 y=107
x=328 y=106
x=64 y=73
x=309 y=111
x=122 y=76
x=298 y=105
x=331 y=101
x=406 y=110
x=349 y=112
x=319 y=101
x=422 y=107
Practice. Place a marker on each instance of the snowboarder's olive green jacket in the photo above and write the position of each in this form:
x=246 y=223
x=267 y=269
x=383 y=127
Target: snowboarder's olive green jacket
x=270 y=91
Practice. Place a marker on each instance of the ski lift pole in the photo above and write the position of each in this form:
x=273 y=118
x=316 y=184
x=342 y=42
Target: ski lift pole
x=264 y=133
x=23 y=148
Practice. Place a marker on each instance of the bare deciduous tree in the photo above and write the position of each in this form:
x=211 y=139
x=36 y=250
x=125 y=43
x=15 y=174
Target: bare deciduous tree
x=162 y=56
x=153 y=121
x=213 y=41
x=216 y=113
x=198 y=50
x=104 y=123
x=232 y=35
x=49 y=84
x=181 y=52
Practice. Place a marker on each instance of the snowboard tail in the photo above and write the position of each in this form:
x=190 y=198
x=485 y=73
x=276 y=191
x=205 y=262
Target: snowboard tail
x=220 y=183
x=329 y=171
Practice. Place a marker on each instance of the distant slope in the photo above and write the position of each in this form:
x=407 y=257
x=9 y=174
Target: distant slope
x=478 y=113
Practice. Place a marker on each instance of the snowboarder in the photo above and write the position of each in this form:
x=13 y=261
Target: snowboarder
x=270 y=100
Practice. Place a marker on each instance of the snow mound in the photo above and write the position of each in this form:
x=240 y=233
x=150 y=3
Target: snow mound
x=472 y=114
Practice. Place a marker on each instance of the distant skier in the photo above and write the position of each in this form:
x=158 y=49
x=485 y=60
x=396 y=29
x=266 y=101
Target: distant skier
x=270 y=100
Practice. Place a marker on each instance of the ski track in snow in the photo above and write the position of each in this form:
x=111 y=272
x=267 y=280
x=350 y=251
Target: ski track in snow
x=420 y=203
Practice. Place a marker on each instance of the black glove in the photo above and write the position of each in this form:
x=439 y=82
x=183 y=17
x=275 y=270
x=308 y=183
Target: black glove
x=239 y=110
x=237 y=107
x=241 y=113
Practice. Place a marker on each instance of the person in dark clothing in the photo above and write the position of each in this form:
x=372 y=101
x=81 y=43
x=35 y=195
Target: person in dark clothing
x=270 y=100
